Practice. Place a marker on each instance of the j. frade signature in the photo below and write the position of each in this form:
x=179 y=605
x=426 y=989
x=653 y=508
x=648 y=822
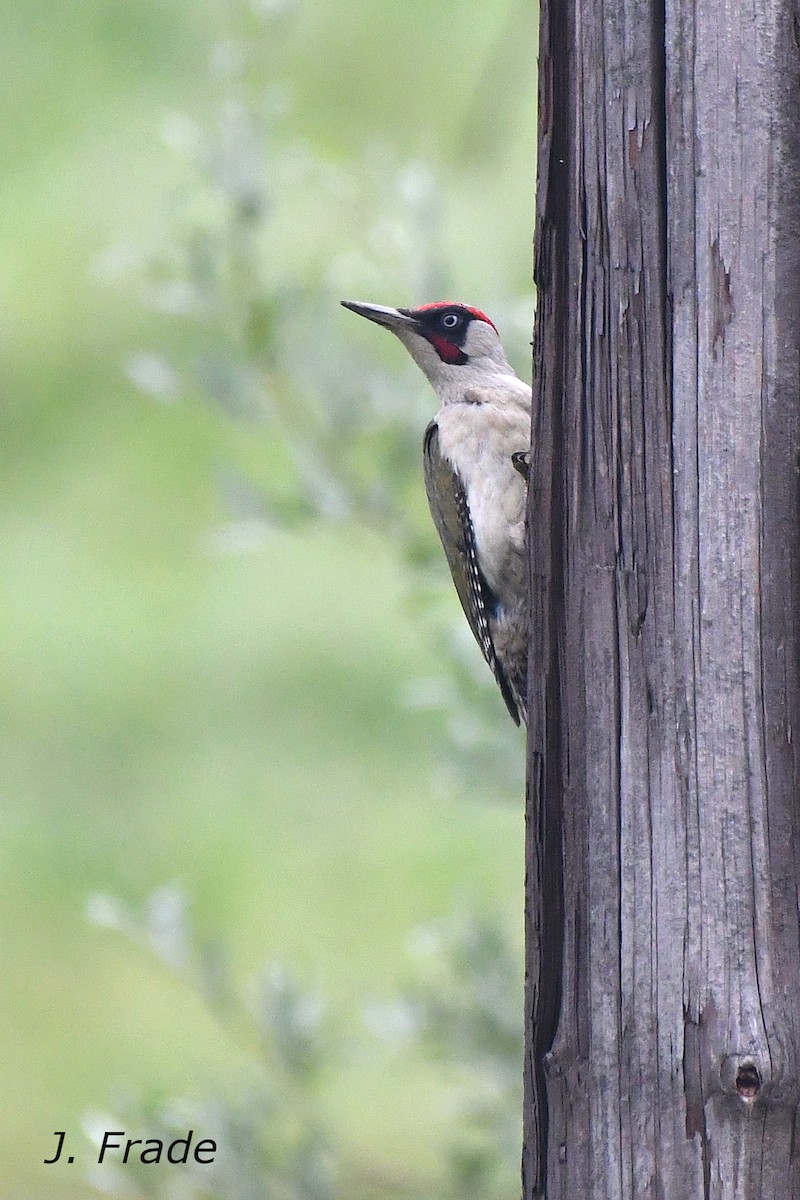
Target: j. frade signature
x=117 y=1145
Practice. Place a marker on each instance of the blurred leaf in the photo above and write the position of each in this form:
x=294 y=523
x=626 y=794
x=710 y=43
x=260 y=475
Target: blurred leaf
x=152 y=374
x=260 y=325
x=166 y=927
x=291 y=1021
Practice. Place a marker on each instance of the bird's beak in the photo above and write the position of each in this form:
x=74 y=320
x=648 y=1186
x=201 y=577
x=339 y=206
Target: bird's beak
x=391 y=318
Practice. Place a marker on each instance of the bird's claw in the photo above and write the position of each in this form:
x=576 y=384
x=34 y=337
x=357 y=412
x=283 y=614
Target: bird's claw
x=521 y=460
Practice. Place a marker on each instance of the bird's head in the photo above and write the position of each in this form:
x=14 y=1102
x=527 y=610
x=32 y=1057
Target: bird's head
x=455 y=345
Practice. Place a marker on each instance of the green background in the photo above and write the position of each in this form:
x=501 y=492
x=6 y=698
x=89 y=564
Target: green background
x=228 y=722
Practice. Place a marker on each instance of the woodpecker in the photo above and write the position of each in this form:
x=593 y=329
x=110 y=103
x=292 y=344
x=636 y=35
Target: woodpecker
x=476 y=459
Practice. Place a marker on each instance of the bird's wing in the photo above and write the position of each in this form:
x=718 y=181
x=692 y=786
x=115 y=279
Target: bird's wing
x=447 y=498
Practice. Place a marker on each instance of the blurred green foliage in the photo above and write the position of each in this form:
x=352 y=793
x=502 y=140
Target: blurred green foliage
x=277 y=1137
x=203 y=682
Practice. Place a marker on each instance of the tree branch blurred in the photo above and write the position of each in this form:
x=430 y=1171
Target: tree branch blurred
x=249 y=272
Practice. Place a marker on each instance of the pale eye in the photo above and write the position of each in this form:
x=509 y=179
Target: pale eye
x=450 y=320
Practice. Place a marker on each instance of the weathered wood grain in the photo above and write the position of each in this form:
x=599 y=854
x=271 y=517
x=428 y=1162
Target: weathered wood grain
x=663 y=862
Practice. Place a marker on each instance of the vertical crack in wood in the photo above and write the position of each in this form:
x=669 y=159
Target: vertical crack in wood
x=544 y=883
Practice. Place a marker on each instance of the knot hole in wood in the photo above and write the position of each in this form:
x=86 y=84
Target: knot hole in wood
x=748 y=1081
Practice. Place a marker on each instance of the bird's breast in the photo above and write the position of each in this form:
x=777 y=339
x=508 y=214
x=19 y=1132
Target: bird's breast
x=478 y=440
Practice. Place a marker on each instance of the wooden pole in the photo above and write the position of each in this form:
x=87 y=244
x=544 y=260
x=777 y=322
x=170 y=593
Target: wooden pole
x=663 y=961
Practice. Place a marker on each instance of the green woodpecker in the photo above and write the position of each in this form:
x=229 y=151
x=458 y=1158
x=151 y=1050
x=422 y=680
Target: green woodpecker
x=475 y=459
